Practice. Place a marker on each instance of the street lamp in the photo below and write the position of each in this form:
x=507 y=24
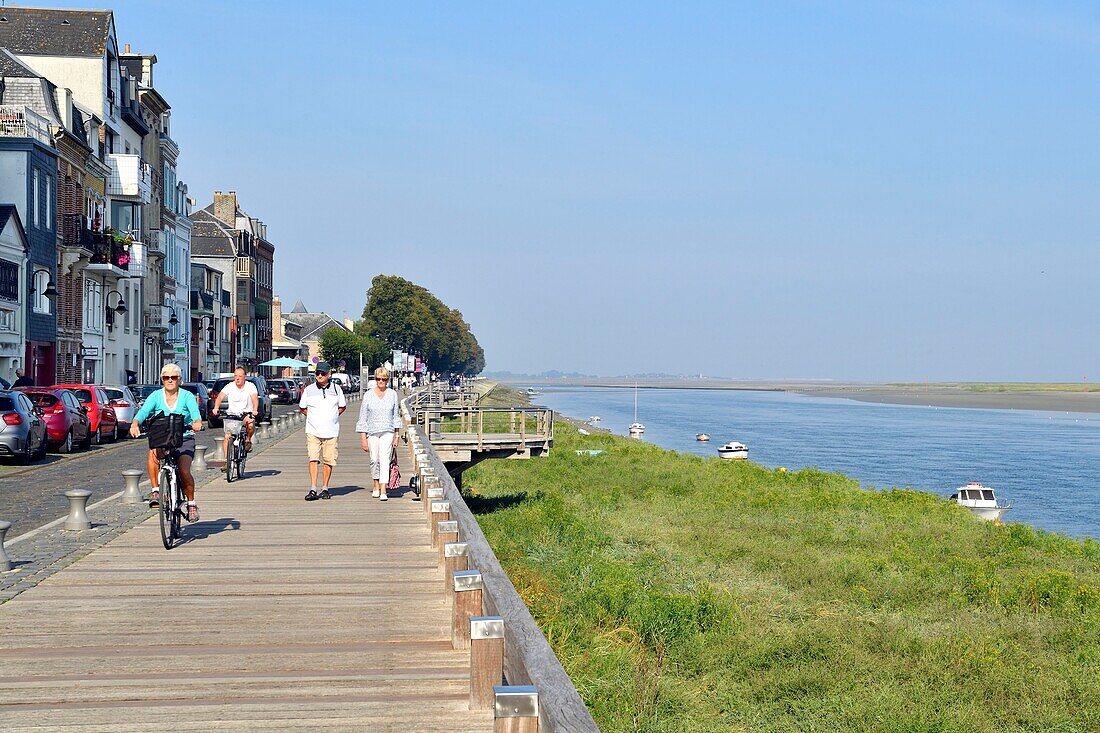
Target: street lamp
x=119 y=309
x=50 y=291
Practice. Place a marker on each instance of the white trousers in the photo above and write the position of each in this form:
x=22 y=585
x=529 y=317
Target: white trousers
x=380 y=444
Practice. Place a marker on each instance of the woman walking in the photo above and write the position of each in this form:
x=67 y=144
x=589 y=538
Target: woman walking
x=379 y=422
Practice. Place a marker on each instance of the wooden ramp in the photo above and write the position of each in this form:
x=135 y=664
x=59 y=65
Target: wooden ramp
x=276 y=614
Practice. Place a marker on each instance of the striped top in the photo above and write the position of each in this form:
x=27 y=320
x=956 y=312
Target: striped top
x=378 y=414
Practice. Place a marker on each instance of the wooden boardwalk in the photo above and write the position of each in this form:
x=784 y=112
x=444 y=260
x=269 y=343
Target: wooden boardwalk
x=275 y=615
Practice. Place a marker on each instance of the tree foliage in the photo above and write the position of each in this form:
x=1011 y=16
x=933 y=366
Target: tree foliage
x=406 y=316
x=338 y=344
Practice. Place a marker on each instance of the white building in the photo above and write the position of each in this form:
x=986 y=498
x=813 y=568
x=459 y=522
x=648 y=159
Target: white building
x=13 y=272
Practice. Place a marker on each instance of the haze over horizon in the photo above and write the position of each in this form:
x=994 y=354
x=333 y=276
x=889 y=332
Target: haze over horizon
x=886 y=191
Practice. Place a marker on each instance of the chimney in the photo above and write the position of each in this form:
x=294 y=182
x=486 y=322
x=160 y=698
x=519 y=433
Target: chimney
x=65 y=105
x=225 y=208
x=127 y=49
x=349 y=324
x=277 y=319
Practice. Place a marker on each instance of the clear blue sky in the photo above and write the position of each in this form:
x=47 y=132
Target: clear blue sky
x=851 y=190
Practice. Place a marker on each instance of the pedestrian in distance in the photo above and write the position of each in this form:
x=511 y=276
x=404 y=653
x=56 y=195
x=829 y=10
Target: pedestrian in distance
x=378 y=426
x=322 y=403
x=22 y=380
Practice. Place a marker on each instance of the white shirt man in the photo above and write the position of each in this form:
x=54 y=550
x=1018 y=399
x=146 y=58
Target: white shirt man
x=240 y=396
x=322 y=402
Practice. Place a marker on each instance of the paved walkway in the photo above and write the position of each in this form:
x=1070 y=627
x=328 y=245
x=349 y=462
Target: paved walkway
x=276 y=614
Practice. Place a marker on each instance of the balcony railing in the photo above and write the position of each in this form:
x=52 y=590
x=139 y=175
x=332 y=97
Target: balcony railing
x=109 y=254
x=202 y=300
x=244 y=267
x=19 y=121
x=76 y=233
x=154 y=243
x=130 y=176
x=156 y=319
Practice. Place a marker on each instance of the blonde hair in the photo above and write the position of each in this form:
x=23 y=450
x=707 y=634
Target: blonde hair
x=381 y=372
x=171 y=370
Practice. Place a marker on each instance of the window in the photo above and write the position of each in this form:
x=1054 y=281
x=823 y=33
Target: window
x=9 y=280
x=34 y=198
x=49 y=200
x=129 y=307
x=7 y=320
x=40 y=303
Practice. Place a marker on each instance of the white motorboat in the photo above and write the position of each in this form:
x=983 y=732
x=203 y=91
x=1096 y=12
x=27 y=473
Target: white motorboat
x=636 y=428
x=981 y=500
x=734 y=451
x=702 y=437
x=594 y=419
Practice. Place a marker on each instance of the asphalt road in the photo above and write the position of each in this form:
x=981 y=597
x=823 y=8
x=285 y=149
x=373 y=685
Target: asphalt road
x=33 y=495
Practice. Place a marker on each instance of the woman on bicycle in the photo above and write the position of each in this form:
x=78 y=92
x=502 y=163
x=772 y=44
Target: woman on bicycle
x=171 y=400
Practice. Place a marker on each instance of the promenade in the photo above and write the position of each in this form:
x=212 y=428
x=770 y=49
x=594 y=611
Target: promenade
x=274 y=614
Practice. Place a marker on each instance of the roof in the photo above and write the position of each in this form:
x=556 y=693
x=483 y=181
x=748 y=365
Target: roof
x=299 y=307
x=8 y=212
x=210 y=238
x=51 y=32
x=10 y=66
x=313 y=324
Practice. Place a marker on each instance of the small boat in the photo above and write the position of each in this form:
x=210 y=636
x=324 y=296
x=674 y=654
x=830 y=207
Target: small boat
x=734 y=451
x=981 y=500
x=636 y=428
x=594 y=419
x=702 y=437
x=531 y=392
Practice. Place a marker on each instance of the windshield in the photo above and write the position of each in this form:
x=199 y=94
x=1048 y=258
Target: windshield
x=7 y=404
x=145 y=390
x=113 y=394
x=192 y=388
x=40 y=399
x=83 y=395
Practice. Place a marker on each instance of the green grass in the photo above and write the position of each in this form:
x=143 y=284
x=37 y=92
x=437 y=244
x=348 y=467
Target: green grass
x=1009 y=386
x=690 y=594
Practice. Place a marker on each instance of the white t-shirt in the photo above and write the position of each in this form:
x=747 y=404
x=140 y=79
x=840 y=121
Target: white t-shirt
x=322 y=408
x=237 y=400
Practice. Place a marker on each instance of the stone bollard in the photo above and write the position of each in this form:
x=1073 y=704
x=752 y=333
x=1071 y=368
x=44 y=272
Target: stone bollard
x=5 y=561
x=486 y=659
x=467 y=602
x=219 y=450
x=456 y=556
x=515 y=709
x=446 y=532
x=199 y=464
x=427 y=496
x=441 y=512
x=130 y=492
x=78 y=514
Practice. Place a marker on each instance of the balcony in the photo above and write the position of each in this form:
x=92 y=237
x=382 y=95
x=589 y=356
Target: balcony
x=130 y=177
x=154 y=244
x=202 y=301
x=19 y=121
x=76 y=234
x=109 y=255
x=244 y=267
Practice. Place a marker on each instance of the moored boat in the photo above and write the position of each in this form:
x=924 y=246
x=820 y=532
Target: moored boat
x=981 y=500
x=734 y=451
x=702 y=437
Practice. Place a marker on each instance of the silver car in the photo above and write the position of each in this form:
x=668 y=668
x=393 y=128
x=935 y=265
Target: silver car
x=124 y=403
x=22 y=429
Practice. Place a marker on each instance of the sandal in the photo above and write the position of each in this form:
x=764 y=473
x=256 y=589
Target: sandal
x=312 y=496
x=154 y=498
x=248 y=446
x=192 y=513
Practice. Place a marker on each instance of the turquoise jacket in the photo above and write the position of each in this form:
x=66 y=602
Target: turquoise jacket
x=186 y=405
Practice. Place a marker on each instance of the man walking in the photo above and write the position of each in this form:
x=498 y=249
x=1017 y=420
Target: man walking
x=22 y=380
x=322 y=403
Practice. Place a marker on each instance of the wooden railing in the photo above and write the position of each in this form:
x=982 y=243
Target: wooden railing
x=513 y=668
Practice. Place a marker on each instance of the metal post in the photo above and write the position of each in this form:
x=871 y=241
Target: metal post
x=433 y=492
x=78 y=514
x=447 y=531
x=441 y=512
x=199 y=464
x=515 y=709
x=486 y=659
x=5 y=561
x=219 y=450
x=130 y=492
x=467 y=602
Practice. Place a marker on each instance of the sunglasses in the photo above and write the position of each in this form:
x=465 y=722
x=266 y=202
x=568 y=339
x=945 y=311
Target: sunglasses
x=382 y=379
x=169 y=379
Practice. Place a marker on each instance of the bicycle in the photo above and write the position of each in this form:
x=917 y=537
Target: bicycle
x=166 y=433
x=238 y=453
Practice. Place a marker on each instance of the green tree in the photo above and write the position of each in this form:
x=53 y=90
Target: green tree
x=338 y=344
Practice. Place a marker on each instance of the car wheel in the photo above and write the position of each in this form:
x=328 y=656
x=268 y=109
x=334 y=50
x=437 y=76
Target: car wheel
x=87 y=442
x=41 y=449
x=67 y=444
x=25 y=457
x=99 y=437
x=114 y=433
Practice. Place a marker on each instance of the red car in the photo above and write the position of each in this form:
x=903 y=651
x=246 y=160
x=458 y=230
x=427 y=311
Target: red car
x=67 y=423
x=102 y=418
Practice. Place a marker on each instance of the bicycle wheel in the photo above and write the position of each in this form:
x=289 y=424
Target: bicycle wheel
x=167 y=507
x=230 y=468
x=180 y=506
x=241 y=462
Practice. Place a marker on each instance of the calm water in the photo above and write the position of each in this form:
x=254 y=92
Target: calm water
x=1047 y=464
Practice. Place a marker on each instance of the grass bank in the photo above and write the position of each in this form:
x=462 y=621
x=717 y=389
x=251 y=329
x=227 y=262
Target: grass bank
x=691 y=594
x=1008 y=387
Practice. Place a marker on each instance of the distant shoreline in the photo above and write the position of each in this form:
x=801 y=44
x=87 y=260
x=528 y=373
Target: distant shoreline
x=930 y=395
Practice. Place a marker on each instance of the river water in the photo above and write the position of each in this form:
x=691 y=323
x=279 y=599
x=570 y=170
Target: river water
x=1047 y=464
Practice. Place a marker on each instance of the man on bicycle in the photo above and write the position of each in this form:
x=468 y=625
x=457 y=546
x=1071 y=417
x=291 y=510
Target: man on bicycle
x=241 y=399
x=171 y=400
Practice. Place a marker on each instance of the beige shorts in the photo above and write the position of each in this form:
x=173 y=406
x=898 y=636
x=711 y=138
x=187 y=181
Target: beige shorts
x=323 y=450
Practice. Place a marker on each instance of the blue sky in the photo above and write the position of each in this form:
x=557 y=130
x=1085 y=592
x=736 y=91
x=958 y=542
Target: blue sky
x=849 y=190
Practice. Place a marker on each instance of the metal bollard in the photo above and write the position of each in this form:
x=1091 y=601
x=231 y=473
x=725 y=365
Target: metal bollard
x=515 y=709
x=219 y=450
x=130 y=492
x=467 y=602
x=440 y=512
x=446 y=531
x=486 y=659
x=456 y=556
x=78 y=514
x=5 y=561
x=199 y=464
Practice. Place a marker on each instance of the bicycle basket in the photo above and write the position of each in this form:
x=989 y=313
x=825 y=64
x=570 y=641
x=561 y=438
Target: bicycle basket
x=166 y=431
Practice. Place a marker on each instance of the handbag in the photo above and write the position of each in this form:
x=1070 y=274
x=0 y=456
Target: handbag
x=395 y=472
x=166 y=431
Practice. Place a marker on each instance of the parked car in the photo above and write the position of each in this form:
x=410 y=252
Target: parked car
x=67 y=424
x=202 y=394
x=142 y=392
x=125 y=404
x=103 y=420
x=284 y=391
x=22 y=429
x=261 y=387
